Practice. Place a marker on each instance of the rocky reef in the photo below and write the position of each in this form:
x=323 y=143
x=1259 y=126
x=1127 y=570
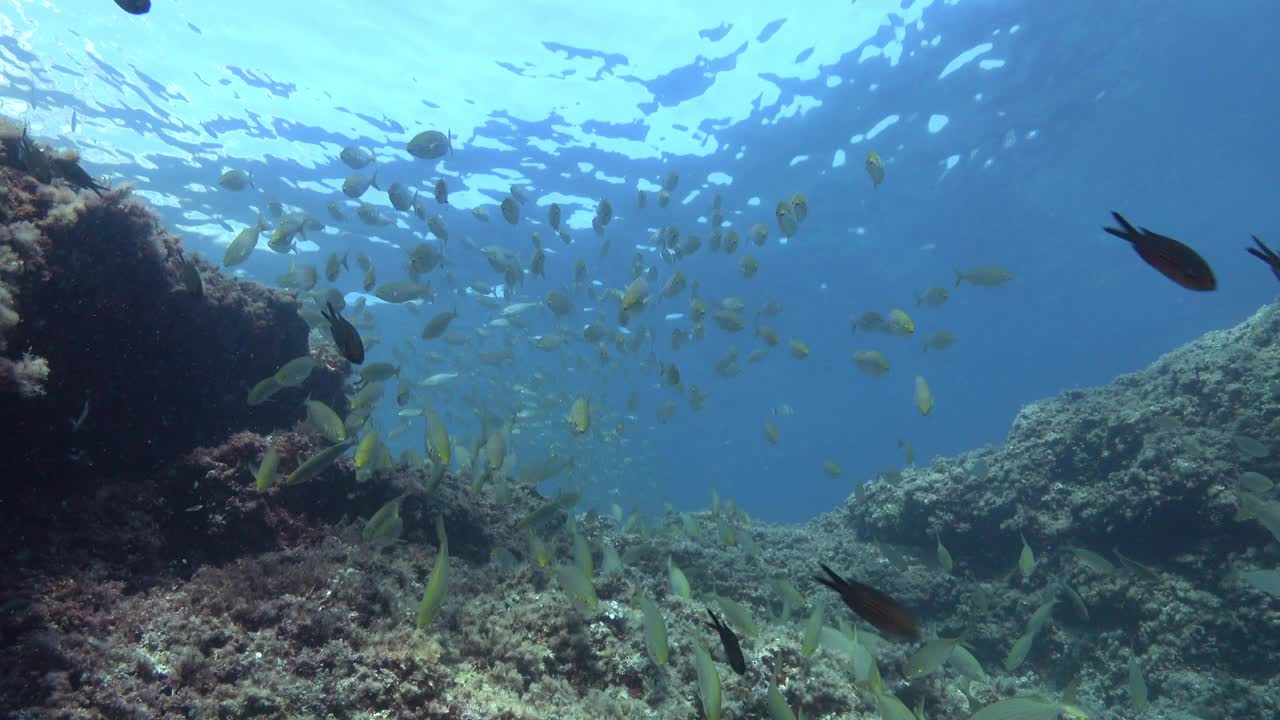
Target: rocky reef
x=110 y=366
x=148 y=576
x=1146 y=472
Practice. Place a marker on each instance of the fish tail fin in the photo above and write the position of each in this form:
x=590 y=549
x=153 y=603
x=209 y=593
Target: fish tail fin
x=450 y=142
x=1264 y=253
x=919 y=298
x=1126 y=231
x=715 y=621
x=835 y=582
x=374 y=182
x=959 y=277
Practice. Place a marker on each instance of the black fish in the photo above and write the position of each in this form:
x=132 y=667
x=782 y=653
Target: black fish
x=1173 y=259
x=883 y=612
x=70 y=170
x=135 y=7
x=732 y=651
x=1266 y=255
x=344 y=335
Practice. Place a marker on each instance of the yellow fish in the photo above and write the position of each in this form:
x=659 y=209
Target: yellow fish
x=437 y=439
x=875 y=168
x=924 y=398
x=580 y=415
x=787 y=222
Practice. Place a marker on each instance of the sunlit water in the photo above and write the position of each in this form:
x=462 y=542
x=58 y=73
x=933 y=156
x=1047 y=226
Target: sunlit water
x=1009 y=130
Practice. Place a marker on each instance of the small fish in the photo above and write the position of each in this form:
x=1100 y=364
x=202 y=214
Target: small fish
x=70 y=170
x=1266 y=255
x=1137 y=685
x=580 y=415
x=385 y=526
x=373 y=216
x=345 y=336
x=1171 y=258
x=266 y=474
x=871 y=362
x=399 y=196
x=787 y=222
x=332 y=266
x=875 y=168
x=771 y=433
x=984 y=276
x=190 y=276
x=357 y=184
x=655 y=630
x=1019 y=651
x=882 y=611
x=438 y=379
x=437 y=585
x=1094 y=561
x=732 y=650
x=430 y=144
x=437 y=440
x=135 y=7
x=933 y=297
x=931 y=657
x=78 y=422
x=1026 y=558
x=900 y=323
x=236 y=180
x=939 y=341
x=510 y=210
x=296 y=371
x=335 y=211
x=355 y=157
x=944 y=555
x=441 y=192
x=325 y=420
x=924 y=397
x=438 y=324
x=318 y=463
x=800 y=205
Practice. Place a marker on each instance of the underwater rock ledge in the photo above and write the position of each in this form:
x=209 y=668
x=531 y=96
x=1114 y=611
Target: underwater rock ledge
x=1144 y=472
x=110 y=366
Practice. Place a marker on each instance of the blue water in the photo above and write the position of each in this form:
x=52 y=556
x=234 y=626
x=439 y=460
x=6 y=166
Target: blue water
x=1158 y=110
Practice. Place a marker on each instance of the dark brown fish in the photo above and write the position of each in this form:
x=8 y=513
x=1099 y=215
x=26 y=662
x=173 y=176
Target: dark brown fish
x=344 y=335
x=883 y=612
x=135 y=7
x=732 y=650
x=1173 y=259
x=70 y=170
x=1266 y=255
